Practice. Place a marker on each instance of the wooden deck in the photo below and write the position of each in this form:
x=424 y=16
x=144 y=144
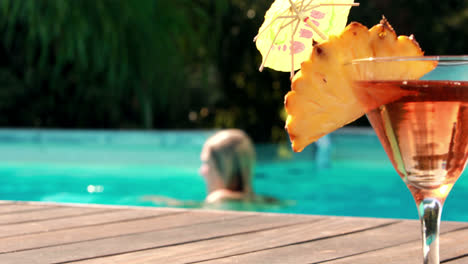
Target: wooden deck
x=56 y=233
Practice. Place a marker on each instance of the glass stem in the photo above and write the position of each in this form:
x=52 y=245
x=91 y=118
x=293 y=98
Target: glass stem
x=430 y=210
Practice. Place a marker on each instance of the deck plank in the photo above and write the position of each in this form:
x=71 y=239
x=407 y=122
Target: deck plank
x=92 y=234
x=458 y=260
x=111 y=230
x=47 y=213
x=247 y=242
x=8 y=208
x=98 y=218
x=319 y=251
x=451 y=245
x=247 y=222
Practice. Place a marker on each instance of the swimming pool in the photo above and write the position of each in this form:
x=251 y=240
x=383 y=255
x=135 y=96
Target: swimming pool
x=355 y=178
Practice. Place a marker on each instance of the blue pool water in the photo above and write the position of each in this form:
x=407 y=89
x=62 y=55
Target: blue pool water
x=352 y=177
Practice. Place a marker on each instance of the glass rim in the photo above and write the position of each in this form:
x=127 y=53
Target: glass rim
x=442 y=59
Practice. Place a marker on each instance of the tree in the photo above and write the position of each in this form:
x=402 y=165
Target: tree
x=79 y=63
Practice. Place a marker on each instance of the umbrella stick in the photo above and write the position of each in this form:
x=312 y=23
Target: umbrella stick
x=306 y=19
x=315 y=28
x=292 y=45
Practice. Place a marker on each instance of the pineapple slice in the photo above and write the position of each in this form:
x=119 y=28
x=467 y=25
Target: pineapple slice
x=321 y=99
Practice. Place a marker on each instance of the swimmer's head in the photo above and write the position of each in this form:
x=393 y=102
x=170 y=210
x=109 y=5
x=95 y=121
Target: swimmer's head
x=228 y=159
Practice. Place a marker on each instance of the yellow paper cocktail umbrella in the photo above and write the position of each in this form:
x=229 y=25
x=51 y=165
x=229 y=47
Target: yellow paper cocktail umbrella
x=290 y=27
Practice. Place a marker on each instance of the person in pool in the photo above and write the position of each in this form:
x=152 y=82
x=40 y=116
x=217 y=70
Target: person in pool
x=228 y=161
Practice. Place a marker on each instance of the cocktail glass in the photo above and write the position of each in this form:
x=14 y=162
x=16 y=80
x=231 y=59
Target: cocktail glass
x=422 y=125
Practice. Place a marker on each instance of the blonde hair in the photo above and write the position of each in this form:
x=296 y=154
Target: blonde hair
x=233 y=154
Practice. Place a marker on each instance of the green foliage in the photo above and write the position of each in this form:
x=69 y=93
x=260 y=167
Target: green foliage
x=106 y=63
x=168 y=63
